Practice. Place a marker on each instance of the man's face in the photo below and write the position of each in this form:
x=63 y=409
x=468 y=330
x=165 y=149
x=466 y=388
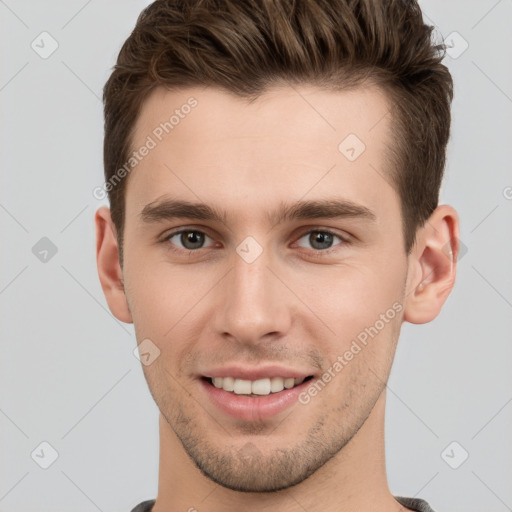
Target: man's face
x=254 y=292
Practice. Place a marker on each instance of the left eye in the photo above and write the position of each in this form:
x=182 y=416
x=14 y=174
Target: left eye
x=321 y=240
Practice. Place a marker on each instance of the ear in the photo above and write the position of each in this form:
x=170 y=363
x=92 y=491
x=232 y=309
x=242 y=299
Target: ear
x=109 y=268
x=432 y=266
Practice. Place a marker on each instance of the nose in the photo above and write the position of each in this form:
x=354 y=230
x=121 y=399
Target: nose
x=254 y=305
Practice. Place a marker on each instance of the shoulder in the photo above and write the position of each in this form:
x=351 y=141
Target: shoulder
x=416 y=504
x=145 y=506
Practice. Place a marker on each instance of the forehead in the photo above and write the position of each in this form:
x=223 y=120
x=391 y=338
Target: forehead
x=290 y=143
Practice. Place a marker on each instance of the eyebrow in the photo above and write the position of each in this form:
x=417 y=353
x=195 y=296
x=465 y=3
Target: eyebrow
x=168 y=209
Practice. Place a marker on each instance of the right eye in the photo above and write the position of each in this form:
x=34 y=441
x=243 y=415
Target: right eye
x=190 y=239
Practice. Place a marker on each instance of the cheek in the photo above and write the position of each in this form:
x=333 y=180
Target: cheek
x=359 y=292
x=167 y=305
x=159 y=291
x=152 y=296
x=357 y=303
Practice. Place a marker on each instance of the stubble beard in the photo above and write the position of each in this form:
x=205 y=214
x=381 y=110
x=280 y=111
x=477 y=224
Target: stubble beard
x=250 y=467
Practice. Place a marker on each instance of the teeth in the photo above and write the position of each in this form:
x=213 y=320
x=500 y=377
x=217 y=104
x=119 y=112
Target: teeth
x=276 y=384
x=242 y=387
x=289 y=383
x=255 y=387
x=261 y=387
x=228 y=383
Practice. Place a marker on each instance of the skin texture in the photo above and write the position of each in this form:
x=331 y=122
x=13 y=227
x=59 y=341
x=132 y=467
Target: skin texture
x=295 y=305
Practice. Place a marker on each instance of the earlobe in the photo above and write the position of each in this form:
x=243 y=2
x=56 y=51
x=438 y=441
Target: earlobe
x=432 y=266
x=109 y=268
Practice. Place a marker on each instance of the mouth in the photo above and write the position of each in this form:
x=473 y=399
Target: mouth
x=253 y=400
x=256 y=388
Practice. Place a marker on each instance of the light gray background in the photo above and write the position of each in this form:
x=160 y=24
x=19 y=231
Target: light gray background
x=68 y=375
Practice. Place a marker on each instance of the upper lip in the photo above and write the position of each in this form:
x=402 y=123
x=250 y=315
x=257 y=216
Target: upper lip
x=255 y=373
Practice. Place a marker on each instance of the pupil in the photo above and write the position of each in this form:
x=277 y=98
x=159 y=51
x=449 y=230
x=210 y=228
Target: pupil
x=192 y=237
x=320 y=237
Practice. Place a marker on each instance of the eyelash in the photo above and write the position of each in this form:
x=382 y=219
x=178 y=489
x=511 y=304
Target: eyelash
x=316 y=252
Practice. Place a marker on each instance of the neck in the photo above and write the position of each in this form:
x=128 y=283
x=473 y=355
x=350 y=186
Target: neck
x=354 y=479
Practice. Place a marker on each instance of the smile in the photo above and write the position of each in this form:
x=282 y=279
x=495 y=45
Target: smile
x=253 y=400
x=259 y=387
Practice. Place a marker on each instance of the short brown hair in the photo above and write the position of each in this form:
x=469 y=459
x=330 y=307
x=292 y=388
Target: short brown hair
x=245 y=47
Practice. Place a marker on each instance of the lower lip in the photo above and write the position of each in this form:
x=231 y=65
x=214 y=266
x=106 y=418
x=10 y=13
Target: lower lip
x=249 y=408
